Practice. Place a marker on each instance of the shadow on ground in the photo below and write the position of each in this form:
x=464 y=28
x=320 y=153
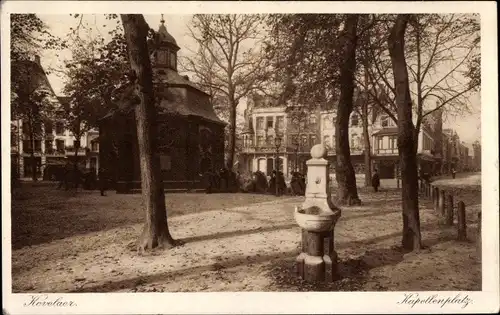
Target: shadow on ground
x=280 y=267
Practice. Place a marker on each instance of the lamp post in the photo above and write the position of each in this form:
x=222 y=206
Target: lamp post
x=296 y=144
x=277 y=143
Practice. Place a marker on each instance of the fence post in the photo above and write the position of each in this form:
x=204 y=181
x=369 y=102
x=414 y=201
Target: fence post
x=478 y=235
x=441 y=202
x=462 y=222
x=449 y=210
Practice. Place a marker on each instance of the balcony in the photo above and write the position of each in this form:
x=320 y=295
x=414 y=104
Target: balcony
x=71 y=151
x=391 y=151
x=57 y=152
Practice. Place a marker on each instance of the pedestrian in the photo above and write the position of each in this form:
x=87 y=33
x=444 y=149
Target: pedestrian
x=375 y=180
x=453 y=173
x=272 y=183
x=102 y=181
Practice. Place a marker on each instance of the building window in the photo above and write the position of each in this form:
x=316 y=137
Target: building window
x=269 y=122
x=59 y=128
x=269 y=140
x=305 y=140
x=60 y=146
x=384 y=121
x=312 y=119
x=27 y=146
x=326 y=141
x=294 y=140
x=260 y=123
x=48 y=146
x=260 y=141
x=353 y=140
x=48 y=127
x=94 y=146
x=380 y=143
x=393 y=142
x=313 y=139
x=173 y=61
x=161 y=57
x=280 y=123
x=26 y=129
x=354 y=120
x=38 y=146
x=326 y=122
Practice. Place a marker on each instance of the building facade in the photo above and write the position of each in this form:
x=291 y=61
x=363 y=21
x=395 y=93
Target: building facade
x=190 y=135
x=52 y=144
x=437 y=151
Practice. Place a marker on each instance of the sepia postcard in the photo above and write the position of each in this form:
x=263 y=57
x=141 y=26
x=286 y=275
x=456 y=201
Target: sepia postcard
x=300 y=157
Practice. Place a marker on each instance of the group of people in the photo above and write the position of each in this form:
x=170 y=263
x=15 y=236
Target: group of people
x=73 y=177
x=223 y=180
x=274 y=184
x=277 y=183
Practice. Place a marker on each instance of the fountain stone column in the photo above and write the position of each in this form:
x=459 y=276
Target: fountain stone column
x=317 y=217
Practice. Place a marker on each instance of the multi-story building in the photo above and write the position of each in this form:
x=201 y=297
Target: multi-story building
x=53 y=144
x=272 y=135
x=438 y=150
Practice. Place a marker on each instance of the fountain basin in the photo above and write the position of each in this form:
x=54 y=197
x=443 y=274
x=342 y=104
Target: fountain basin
x=316 y=221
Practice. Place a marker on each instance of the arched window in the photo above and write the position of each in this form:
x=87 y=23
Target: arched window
x=327 y=123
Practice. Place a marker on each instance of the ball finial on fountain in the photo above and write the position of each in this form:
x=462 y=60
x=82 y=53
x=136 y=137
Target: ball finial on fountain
x=318 y=151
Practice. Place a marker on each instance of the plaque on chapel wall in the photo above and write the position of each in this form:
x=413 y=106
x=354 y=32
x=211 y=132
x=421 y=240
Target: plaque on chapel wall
x=165 y=162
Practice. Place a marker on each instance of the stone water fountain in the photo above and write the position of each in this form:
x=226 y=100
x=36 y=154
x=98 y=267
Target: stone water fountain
x=317 y=217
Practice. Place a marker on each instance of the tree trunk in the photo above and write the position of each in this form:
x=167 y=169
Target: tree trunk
x=347 y=192
x=232 y=134
x=406 y=137
x=155 y=232
x=31 y=130
x=367 y=146
x=366 y=134
x=76 y=177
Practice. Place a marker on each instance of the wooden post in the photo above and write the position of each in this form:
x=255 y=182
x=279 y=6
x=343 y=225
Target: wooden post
x=436 y=199
x=462 y=224
x=478 y=235
x=441 y=202
x=449 y=210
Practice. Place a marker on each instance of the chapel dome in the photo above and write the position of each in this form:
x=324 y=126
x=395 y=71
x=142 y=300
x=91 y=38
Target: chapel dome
x=163 y=35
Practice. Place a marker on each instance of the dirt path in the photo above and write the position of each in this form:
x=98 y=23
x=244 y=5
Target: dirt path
x=251 y=248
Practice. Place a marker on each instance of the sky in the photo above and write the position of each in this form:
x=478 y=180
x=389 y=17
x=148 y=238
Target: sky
x=468 y=126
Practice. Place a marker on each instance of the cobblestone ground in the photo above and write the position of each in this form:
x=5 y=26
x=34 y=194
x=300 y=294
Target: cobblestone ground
x=66 y=242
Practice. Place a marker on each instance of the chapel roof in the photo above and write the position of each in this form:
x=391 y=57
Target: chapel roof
x=163 y=35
